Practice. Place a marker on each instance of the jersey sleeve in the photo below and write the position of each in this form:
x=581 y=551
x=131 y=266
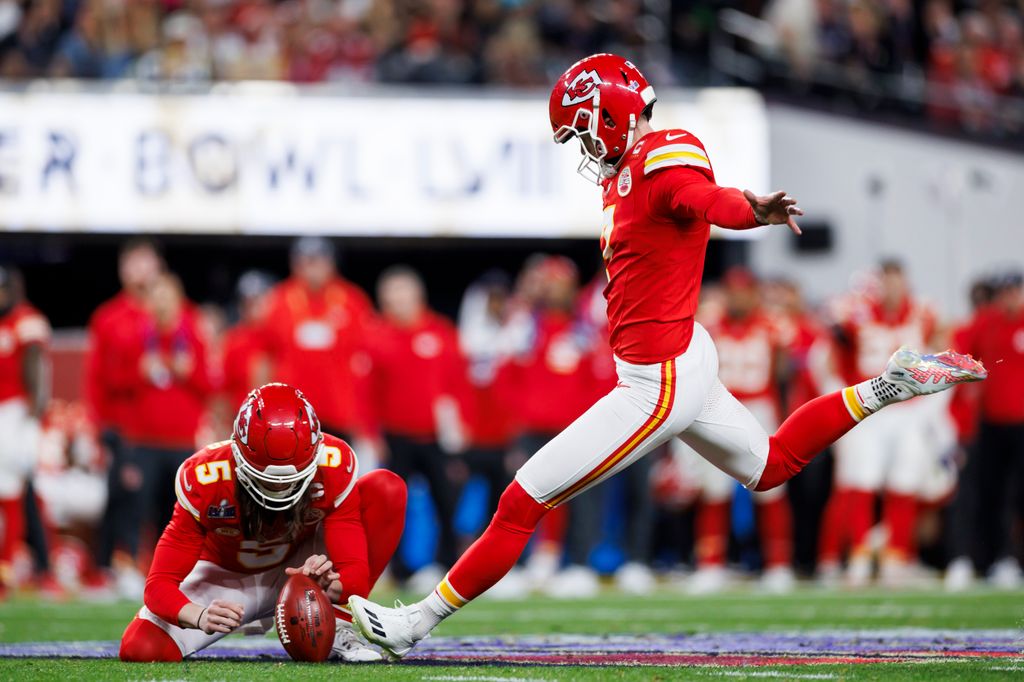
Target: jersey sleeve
x=345 y=538
x=677 y=149
x=339 y=469
x=186 y=489
x=683 y=193
x=175 y=556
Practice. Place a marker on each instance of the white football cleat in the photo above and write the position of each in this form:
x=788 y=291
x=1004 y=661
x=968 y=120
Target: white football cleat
x=347 y=646
x=709 y=580
x=912 y=373
x=396 y=630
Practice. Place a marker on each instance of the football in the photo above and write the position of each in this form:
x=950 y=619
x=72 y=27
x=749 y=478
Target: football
x=305 y=620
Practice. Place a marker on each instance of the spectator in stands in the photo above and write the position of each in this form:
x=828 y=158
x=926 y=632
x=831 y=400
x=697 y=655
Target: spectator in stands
x=172 y=387
x=317 y=326
x=97 y=46
x=112 y=358
x=417 y=393
x=24 y=393
x=997 y=337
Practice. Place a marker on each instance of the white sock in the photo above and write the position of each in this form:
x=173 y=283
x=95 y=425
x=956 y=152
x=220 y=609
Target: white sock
x=876 y=393
x=436 y=608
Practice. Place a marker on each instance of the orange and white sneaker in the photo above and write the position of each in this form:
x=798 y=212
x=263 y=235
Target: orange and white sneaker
x=913 y=373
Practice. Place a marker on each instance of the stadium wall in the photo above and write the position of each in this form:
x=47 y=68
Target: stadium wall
x=950 y=210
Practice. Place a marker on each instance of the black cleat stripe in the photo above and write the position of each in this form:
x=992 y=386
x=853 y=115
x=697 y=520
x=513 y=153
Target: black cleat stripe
x=379 y=632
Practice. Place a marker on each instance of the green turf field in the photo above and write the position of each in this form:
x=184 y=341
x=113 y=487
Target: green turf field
x=25 y=620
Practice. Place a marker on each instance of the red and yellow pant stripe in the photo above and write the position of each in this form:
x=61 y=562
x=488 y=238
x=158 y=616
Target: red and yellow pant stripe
x=662 y=410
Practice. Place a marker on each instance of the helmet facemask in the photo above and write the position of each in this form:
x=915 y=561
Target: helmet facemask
x=277 y=488
x=584 y=128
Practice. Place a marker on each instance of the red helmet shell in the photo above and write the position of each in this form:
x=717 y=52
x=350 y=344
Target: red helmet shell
x=276 y=442
x=601 y=96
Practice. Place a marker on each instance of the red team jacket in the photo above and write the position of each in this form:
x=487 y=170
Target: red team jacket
x=112 y=361
x=553 y=383
x=21 y=327
x=244 y=345
x=997 y=339
x=658 y=211
x=412 y=368
x=315 y=340
x=168 y=413
x=205 y=526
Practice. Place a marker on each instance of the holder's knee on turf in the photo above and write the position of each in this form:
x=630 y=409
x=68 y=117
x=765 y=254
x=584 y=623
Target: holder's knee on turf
x=144 y=642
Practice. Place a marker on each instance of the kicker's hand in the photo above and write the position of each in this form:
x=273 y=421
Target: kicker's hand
x=318 y=567
x=775 y=209
x=221 y=616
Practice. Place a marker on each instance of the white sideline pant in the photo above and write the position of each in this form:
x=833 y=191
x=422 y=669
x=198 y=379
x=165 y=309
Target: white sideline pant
x=20 y=439
x=650 y=405
x=256 y=592
x=890 y=451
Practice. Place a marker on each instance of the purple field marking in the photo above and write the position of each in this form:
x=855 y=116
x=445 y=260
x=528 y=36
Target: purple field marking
x=724 y=648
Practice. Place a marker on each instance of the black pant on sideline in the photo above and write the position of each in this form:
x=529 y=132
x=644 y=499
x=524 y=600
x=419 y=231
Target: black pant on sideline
x=408 y=457
x=1000 y=464
x=159 y=466
x=119 y=527
x=489 y=463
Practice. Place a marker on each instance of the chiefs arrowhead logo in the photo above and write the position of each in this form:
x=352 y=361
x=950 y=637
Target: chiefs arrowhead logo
x=582 y=88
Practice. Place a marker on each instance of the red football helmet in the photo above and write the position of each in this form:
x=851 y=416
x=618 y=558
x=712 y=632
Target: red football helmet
x=277 y=443
x=599 y=100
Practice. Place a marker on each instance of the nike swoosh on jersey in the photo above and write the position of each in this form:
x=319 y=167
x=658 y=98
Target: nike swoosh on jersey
x=675 y=137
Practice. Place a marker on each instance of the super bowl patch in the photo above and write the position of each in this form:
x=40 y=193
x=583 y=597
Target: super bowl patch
x=221 y=511
x=625 y=182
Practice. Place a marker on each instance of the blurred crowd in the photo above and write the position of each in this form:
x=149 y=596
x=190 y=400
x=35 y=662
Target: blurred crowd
x=456 y=406
x=309 y=41
x=955 y=62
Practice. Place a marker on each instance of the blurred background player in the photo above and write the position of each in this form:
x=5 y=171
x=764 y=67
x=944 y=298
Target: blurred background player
x=997 y=331
x=416 y=397
x=172 y=387
x=246 y=353
x=750 y=360
x=111 y=366
x=890 y=456
x=24 y=395
x=317 y=323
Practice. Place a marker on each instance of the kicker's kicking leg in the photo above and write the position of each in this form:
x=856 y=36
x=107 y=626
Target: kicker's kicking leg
x=637 y=416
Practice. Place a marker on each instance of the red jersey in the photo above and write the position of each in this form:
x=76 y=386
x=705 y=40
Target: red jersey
x=658 y=211
x=315 y=341
x=245 y=345
x=412 y=368
x=874 y=334
x=169 y=408
x=552 y=383
x=997 y=339
x=21 y=327
x=206 y=526
x=798 y=334
x=965 y=406
x=112 y=360
x=747 y=349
